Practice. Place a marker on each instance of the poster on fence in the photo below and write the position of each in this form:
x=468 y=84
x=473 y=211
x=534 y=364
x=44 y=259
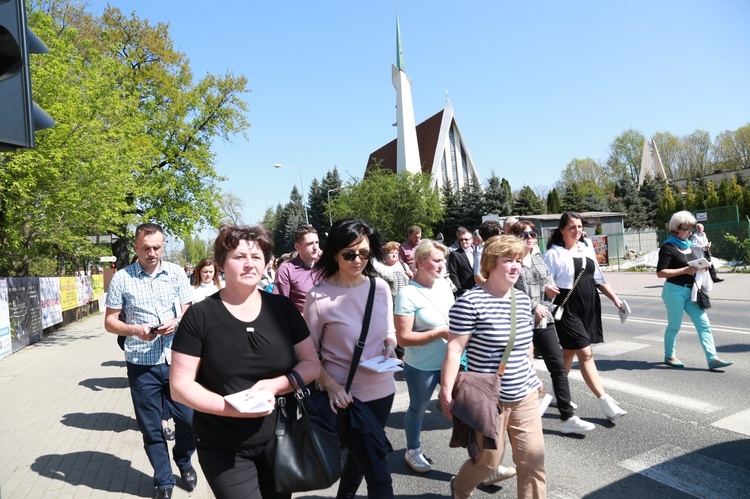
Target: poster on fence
x=68 y=293
x=85 y=293
x=25 y=310
x=97 y=285
x=600 y=248
x=5 y=341
x=49 y=287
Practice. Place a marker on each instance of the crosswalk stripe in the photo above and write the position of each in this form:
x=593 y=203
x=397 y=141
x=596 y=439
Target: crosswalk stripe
x=738 y=422
x=690 y=472
x=685 y=325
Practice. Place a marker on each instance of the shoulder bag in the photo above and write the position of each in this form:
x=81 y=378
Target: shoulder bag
x=558 y=313
x=702 y=298
x=304 y=451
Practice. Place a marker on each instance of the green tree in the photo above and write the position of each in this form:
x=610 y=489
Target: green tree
x=731 y=150
x=690 y=201
x=650 y=192
x=195 y=249
x=666 y=207
x=528 y=203
x=392 y=203
x=730 y=193
x=498 y=198
x=472 y=205
x=451 y=204
x=554 y=205
x=625 y=155
x=712 y=197
x=669 y=147
x=572 y=199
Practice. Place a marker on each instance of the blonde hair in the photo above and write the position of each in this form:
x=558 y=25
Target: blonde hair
x=679 y=219
x=498 y=247
x=425 y=248
x=390 y=246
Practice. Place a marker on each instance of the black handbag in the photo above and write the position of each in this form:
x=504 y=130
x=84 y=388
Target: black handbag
x=304 y=451
x=703 y=301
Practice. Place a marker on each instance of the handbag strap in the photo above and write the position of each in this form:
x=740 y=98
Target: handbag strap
x=362 y=336
x=512 y=338
x=578 y=278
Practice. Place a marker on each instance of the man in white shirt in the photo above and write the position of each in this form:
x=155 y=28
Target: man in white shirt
x=701 y=242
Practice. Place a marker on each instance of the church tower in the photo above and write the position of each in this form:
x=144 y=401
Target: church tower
x=407 y=158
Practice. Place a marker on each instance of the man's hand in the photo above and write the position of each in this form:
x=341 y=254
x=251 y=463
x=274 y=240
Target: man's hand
x=143 y=331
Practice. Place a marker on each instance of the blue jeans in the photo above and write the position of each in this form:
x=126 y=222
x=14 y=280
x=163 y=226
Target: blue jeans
x=421 y=384
x=149 y=389
x=677 y=300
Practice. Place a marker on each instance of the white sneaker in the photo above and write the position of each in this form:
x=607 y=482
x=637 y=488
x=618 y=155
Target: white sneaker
x=610 y=407
x=416 y=460
x=500 y=474
x=575 y=424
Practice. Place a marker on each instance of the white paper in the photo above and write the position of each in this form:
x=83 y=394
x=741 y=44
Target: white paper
x=544 y=403
x=251 y=403
x=700 y=263
x=625 y=312
x=380 y=364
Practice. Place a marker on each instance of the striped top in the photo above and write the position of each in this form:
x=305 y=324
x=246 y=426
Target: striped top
x=487 y=319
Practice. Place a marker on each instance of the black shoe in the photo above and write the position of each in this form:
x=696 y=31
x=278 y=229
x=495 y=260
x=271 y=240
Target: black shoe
x=189 y=478
x=718 y=279
x=163 y=494
x=168 y=433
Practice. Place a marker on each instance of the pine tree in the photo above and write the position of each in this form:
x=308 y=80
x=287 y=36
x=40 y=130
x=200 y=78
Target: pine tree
x=528 y=203
x=572 y=199
x=498 y=198
x=554 y=205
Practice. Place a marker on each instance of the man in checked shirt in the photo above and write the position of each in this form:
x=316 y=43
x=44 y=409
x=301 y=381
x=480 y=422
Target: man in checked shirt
x=154 y=294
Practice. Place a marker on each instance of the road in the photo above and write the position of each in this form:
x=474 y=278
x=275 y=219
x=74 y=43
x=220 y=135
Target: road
x=686 y=433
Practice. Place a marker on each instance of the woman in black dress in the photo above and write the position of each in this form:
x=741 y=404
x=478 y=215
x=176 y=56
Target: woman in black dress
x=581 y=323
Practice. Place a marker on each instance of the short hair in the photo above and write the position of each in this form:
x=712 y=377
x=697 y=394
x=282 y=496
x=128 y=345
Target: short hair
x=489 y=228
x=344 y=233
x=302 y=231
x=147 y=229
x=415 y=229
x=517 y=227
x=509 y=221
x=556 y=238
x=475 y=233
x=681 y=218
x=390 y=246
x=699 y=225
x=461 y=231
x=425 y=248
x=206 y=262
x=498 y=247
x=231 y=235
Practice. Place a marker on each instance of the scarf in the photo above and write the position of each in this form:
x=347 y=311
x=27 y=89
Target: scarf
x=679 y=242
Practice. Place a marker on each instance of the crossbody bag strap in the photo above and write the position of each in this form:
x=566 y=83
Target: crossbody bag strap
x=362 y=336
x=578 y=278
x=512 y=338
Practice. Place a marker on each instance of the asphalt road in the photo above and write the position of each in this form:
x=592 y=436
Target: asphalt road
x=686 y=433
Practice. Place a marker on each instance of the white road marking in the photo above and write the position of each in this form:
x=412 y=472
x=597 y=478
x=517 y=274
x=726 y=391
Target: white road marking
x=691 y=473
x=738 y=422
x=617 y=347
x=685 y=325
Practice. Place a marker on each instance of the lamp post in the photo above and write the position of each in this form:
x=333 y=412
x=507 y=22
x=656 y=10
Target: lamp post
x=330 y=216
x=302 y=185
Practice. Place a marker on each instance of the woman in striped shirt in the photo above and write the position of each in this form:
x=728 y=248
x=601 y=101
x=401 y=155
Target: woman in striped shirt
x=480 y=322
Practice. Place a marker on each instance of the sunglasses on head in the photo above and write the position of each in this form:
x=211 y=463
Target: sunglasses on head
x=351 y=255
x=527 y=234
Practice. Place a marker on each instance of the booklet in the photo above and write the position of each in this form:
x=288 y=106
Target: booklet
x=625 y=312
x=380 y=364
x=700 y=263
x=251 y=403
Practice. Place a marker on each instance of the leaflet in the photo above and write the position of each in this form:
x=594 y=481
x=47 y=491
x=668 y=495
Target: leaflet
x=625 y=312
x=700 y=263
x=380 y=364
x=251 y=403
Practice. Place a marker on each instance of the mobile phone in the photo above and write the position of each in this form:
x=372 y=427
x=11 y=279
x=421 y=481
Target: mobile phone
x=154 y=328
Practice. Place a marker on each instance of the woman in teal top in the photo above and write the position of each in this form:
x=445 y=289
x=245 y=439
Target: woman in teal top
x=421 y=317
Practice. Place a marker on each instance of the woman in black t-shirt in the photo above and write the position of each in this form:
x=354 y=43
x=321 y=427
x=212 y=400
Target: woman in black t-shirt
x=239 y=339
x=674 y=256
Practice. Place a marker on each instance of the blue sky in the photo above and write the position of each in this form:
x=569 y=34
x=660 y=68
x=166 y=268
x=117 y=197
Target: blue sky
x=533 y=84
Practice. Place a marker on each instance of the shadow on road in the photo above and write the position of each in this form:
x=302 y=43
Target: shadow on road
x=100 y=421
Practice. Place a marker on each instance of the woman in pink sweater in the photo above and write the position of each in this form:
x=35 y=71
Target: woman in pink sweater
x=334 y=312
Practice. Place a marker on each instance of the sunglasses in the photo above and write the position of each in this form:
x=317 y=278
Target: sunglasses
x=349 y=256
x=689 y=231
x=527 y=234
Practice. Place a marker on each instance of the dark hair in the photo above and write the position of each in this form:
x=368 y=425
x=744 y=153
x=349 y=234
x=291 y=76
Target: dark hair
x=556 y=238
x=489 y=228
x=206 y=262
x=415 y=229
x=517 y=227
x=343 y=234
x=231 y=235
x=147 y=229
x=302 y=231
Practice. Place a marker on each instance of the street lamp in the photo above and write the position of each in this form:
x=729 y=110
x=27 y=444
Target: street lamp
x=302 y=185
x=330 y=216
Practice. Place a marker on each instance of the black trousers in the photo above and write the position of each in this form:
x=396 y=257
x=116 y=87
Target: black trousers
x=547 y=345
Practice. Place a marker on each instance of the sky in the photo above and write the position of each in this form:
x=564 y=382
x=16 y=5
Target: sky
x=533 y=84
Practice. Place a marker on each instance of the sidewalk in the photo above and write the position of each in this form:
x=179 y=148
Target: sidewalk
x=68 y=424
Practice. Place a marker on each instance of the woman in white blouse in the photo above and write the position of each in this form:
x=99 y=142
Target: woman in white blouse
x=206 y=280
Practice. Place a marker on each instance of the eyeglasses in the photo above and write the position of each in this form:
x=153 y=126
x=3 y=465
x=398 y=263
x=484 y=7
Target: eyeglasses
x=689 y=231
x=527 y=234
x=349 y=256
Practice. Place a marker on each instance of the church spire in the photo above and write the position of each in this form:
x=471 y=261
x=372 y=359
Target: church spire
x=399 y=50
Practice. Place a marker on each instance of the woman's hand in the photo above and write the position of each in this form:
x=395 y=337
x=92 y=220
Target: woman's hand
x=540 y=312
x=389 y=350
x=690 y=270
x=550 y=291
x=337 y=397
x=446 y=401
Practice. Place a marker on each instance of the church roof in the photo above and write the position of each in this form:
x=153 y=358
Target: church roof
x=427 y=139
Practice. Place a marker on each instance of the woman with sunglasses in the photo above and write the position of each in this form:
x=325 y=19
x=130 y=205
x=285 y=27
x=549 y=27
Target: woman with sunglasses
x=334 y=311
x=581 y=322
x=673 y=266
x=536 y=281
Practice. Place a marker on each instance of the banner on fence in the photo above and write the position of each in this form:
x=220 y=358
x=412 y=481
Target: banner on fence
x=49 y=287
x=68 y=293
x=25 y=310
x=600 y=248
x=85 y=293
x=6 y=347
x=97 y=285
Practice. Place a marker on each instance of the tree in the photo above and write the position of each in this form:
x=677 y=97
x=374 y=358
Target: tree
x=289 y=218
x=472 y=205
x=588 y=175
x=625 y=155
x=690 y=202
x=528 y=203
x=712 y=197
x=451 y=204
x=391 y=203
x=554 y=205
x=650 y=192
x=498 y=198
x=731 y=149
x=730 y=193
x=693 y=160
x=572 y=199
x=669 y=148
x=195 y=249
x=230 y=207
x=629 y=200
